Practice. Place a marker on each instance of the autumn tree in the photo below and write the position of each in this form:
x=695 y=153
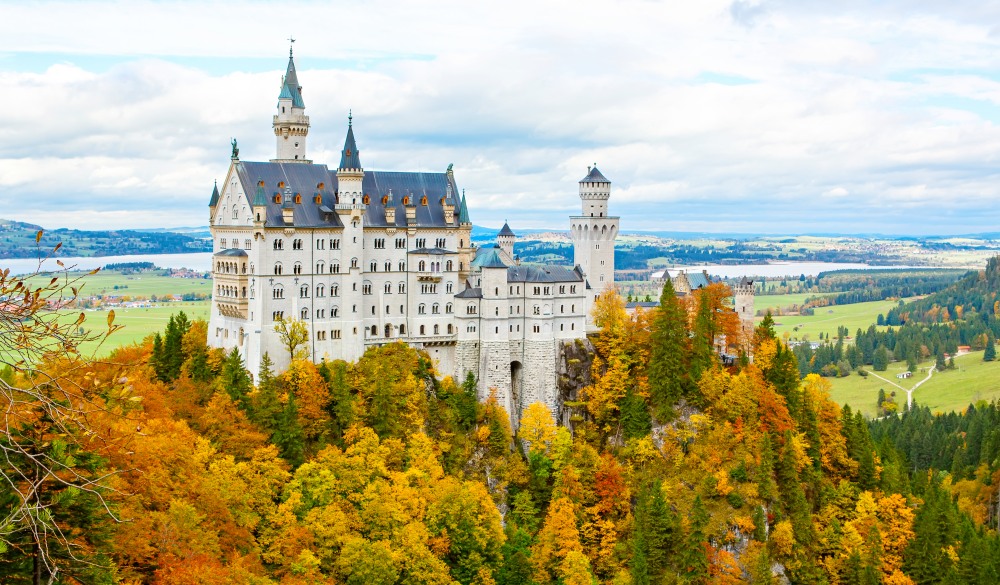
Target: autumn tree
x=294 y=337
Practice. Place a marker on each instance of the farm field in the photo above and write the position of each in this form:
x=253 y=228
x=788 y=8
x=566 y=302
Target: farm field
x=971 y=381
x=763 y=302
x=138 y=323
x=827 y=319
x=145 y=284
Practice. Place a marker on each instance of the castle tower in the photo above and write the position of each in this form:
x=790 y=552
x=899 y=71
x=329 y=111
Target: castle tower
x=494 y=335
x=505 y=239
x=743 y=298
x=350 y=207
x=466 y=250
x=291 y=124
x=594 y=233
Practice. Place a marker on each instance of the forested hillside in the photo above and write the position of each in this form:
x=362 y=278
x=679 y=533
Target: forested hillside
x=169 y=463
x=17 y=240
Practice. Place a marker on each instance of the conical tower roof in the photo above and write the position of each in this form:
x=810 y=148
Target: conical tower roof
x=350 y=157
x=290 y=88
x=463 y=211
x=506 y=231
x=594 y=176
x=215 y=196
x=259 y=198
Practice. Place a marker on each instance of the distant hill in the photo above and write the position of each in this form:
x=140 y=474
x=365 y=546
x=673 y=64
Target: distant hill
x=17 y=240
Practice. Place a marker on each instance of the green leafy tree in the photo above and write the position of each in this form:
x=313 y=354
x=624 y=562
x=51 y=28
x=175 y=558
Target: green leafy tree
x=294 y=337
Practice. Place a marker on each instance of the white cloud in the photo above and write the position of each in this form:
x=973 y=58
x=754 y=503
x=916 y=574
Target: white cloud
x=870 y=106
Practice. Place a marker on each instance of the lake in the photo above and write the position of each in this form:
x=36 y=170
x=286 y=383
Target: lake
x=779 y=269
x=200 y=261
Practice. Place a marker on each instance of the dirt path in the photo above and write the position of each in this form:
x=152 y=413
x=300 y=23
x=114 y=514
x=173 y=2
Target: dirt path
x=909 y=392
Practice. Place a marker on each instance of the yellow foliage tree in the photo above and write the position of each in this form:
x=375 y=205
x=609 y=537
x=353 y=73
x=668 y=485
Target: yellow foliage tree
x=538 y=428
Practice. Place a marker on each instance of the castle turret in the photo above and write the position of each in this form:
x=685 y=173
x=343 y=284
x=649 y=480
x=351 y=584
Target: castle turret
x=350 y=207
x=213 y=203
x=259 y=205
x=291 y=124
x=594 y=233
x=505 y=239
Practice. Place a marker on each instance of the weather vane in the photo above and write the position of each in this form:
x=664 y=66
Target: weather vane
x=291 y=42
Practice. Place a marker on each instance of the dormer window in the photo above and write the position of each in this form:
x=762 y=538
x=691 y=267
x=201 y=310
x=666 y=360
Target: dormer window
x=277 y=197
x=423 y=200
x=298 y=198
x=281 y=184
x=366 y=200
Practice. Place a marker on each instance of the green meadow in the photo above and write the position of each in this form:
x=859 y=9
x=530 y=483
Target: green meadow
x=972 y=380
x=827 y=319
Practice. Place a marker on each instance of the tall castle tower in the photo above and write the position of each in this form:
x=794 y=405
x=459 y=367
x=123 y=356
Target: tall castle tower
x=291 y=124
x=743 y=298
x=594 y=233
x=351 y=206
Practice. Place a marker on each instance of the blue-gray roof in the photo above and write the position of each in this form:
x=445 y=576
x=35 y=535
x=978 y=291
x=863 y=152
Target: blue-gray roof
x=215 y=196
x=470 y=293
x=290 y=88
x=594 y=176
x=231 y=252
x=310 y=180
x=431 y=251
x=259 y=197
x=350 y=158
x=697 y=280
x=506 y=231
x=543 y=274
x=463 y=212
x=489 y=258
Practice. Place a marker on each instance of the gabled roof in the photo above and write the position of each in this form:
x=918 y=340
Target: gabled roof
x=506 y=231
x=594 y=176
x=290 y=88
x=350 y=157
x=215 y=196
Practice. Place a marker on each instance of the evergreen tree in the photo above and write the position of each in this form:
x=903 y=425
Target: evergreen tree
x=991 y=350
x=156 y=360
x=639 y=567
x=235 y=380
x=668 y=351
x=266 y=408
x=173 y=356
x=694 y=556
x=939 y=363
x=288 y=434
x=880 y=362
x=702 y=338
x=635 y=418
x=661 y=530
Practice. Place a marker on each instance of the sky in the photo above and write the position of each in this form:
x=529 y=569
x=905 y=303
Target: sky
x=729 y=116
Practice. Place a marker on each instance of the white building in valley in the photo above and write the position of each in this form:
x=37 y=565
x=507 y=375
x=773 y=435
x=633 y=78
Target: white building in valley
x=366 y=257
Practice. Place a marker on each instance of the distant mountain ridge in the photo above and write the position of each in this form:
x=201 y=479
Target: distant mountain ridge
x=17 y=240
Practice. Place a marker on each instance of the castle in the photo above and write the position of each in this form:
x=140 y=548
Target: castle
x=364 y=258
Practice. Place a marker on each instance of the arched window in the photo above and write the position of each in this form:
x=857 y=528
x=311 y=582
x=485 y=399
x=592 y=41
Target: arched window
x=304 y=313
x=277 y=268
x=297 y=269
x=448 y=308
x=388 y=288
x=336 y=290
x=422 y=330
x=354 y=262
x=320 y=267
x=437 y=329
x=448 y=287
x=388 y=266
x=335 y=269
x=236 y=213
x=449 y=329
x=320 y=290
x=422 y=266
x=402 y=266
x=448 y=265
x=304 y=291
x=388 y=330
x=373 y=266
x=374 y=330
x=435 y=308
x=402 y=288
x=335 y=311
x=421 y=309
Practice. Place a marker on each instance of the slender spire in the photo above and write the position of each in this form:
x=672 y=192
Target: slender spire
x=290 y=88
x=463 y=211
x=259 y=198
x=215 y=195
x=350 y=157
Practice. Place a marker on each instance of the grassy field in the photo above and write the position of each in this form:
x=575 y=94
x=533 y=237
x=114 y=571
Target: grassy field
x=763 y=302
x=138 y=323
x=971 y=381
x=827 y=319
x=144 y=284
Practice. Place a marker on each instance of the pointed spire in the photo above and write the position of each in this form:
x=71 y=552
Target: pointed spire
x=349 y=157
x=290 y=88
x=215 y=195
x=259 y=198
x=463 y=211
x=506 y=231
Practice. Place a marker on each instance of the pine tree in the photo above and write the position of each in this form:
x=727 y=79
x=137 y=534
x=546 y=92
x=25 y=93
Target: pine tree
x=991 y=350
x=172 y=357
x=289 y=436
x=639 y=567
x=156 y=359
x=702 y=338
x=235 y=380
x=694 y=556
x=668 y=347
x=635 y=418
x=880 y=362
x=661 y=529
